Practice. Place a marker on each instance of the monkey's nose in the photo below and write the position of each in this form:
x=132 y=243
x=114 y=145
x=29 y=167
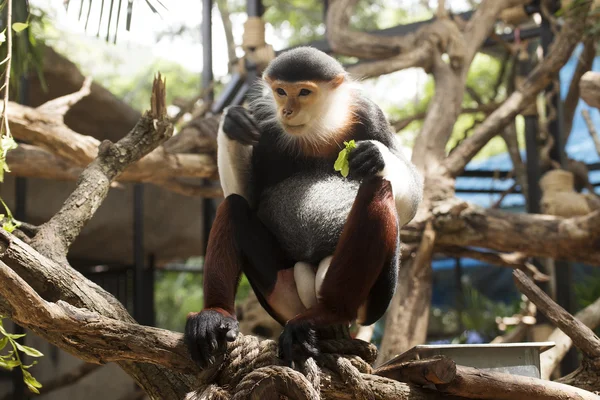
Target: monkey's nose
x=287 y=112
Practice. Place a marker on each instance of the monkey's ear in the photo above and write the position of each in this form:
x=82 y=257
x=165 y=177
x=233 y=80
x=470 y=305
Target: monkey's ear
x=337 y=80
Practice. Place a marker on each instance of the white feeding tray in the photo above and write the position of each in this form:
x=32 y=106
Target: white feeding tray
x=510 y=358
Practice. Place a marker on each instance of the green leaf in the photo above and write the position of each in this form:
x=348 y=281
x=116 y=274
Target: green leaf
x=3 y=36
x=9 y=364
x=19 y=26
x=29 y=350
x=7 y=143
x=341 y=163
x=10 y=226
x=30 y=365
x=3 y=342
x=341 y=160
x=15 y=336
x=31 y=382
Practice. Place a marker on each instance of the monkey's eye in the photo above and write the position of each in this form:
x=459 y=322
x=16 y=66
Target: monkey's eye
x=281 y=92
x=304 y=92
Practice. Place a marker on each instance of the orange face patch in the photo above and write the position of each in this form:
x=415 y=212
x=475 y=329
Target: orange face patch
x=292 y=97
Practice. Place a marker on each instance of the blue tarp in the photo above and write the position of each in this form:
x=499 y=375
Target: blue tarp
x=579 y=147
x=496 y=283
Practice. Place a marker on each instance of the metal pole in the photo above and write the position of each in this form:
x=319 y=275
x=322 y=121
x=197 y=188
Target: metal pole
x=563 y=274
x=138 y=252
x=21 y=215
x=207 y=60
x=254 y=8
x=208 y=205
x=460 y=297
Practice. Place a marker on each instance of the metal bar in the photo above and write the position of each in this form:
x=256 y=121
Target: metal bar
x=20 y=215
x=138 y=251
x=228 y=94
x=460 y=297
x=563 y=274
x=208 y=205
x=150 y=312
x=207 y=59
x=254 y=8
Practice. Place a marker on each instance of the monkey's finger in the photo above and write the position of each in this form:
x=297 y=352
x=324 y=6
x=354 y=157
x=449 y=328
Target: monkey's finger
x=232 y=334
x=237 y=130
x=191 y=330
x=203 y=343
x=250 y=122
x=285 y=351
x=308 y=342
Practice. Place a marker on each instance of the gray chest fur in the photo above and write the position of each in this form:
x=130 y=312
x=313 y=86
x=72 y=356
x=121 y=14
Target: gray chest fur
x=307 y=213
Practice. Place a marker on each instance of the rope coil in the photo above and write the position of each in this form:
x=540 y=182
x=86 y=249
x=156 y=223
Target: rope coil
x=252 y=370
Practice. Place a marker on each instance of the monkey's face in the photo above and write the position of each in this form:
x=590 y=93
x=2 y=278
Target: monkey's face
x=297 y=103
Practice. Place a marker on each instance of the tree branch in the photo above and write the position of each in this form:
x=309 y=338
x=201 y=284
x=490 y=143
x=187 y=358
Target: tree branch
x=512 y=260
x=56 y=235
x=360 y=44
x=91 y=336
x=477 y=384
x=582 y=336
x=550 y=359
x=46 y=130
x=537 y=80
x=35 y=162
x=61 y=105
x=417 y=57
x=461 y=224
x=584 y=64
x=591 y=130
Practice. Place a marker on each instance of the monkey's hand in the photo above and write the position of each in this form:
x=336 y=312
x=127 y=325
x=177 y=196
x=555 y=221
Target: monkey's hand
x=297 y=340
x=366 y=160
x=239 y=125
x=207 y=333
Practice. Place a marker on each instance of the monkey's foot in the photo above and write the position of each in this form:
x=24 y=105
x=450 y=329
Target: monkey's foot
x=207 y=333
x=298 y=340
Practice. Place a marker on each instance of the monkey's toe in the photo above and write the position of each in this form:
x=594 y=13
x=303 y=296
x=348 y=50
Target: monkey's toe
x=297 y=341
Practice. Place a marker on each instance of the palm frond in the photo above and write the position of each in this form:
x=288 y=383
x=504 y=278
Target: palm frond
x=106 y=14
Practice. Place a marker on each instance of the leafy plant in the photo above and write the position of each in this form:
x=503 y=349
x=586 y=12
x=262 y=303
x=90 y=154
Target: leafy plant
x=12 y=360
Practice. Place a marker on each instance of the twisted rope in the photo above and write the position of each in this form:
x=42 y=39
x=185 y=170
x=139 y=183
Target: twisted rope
x=252 y=370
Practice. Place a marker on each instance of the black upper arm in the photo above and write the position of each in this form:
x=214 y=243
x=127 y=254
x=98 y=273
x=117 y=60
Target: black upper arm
x=372 y=123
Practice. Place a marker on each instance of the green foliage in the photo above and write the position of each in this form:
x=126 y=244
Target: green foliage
x=27 y=46
x=588 y=291
x=341 y=164
x=12 y=360
x=480 y=312
x=179 y=293
x=135 y=90
x=301 y=21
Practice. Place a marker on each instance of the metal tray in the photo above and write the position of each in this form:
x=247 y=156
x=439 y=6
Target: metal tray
x=511 y=358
